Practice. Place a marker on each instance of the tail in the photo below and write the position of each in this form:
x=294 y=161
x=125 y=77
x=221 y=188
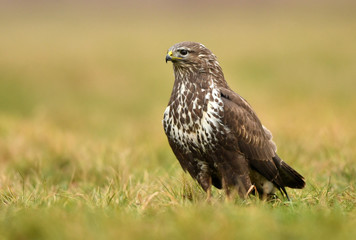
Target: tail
x=288 y=177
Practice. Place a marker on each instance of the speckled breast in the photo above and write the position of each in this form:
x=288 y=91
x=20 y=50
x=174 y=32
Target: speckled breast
x=193 y=119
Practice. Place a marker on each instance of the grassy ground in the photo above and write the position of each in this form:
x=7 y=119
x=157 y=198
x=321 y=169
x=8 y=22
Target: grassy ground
x=82 y=92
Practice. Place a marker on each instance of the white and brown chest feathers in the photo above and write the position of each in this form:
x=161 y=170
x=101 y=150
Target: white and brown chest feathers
x=193 y=118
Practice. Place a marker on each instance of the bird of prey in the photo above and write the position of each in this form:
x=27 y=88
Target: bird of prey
x=215 y=134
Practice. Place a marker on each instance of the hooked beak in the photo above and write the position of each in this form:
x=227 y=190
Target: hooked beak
x=169 y=56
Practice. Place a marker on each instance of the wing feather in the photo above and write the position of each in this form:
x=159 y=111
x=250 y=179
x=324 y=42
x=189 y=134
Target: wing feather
x=250 y=136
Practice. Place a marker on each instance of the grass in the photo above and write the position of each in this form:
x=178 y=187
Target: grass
x=82 y=93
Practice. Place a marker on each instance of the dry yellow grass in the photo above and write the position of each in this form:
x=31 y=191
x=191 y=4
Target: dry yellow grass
x=82 y=92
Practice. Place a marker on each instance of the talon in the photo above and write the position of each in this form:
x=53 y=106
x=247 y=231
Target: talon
x=253 y=187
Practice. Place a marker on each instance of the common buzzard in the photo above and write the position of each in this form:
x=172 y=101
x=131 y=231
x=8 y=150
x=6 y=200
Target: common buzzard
x=214 y=132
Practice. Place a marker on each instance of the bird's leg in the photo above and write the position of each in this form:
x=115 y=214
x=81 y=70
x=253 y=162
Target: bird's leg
x=208 y=191
x=208 y=196
x=228 y=197
x=205 y=182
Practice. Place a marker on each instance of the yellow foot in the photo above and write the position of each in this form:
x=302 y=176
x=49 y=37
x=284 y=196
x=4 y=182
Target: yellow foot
x=208 y=196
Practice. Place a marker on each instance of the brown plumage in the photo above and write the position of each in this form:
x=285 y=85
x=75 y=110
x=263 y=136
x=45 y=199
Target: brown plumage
x=215 y=134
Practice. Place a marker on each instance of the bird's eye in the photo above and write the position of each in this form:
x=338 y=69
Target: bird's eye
x=183 y=52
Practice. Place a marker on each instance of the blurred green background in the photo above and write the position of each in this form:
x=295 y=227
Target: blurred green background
x=83 y=87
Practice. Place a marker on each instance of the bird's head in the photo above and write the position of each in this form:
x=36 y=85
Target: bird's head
x=189 y=54
x=191 y=59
